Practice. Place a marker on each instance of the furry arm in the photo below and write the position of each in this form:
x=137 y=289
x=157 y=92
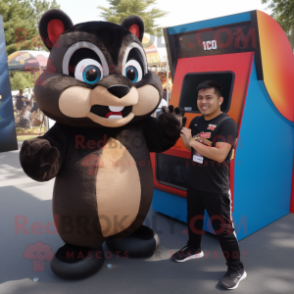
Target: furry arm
x=163 y=133
x=41 y=158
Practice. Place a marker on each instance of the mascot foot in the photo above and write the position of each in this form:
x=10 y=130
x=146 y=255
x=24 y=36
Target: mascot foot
x=76 y=262
x=141 y=243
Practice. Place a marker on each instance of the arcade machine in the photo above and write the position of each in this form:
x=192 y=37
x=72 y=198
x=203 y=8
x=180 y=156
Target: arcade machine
x=7 y=127
x=250 y=55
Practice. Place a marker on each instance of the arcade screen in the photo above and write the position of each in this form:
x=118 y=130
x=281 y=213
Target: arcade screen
x=236 y=38
x=188 y=98
x=172 y=171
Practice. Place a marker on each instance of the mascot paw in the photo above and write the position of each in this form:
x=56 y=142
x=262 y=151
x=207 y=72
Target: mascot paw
x=141 y=243
x=75 y=262
x=39 y=159
x=172 y=119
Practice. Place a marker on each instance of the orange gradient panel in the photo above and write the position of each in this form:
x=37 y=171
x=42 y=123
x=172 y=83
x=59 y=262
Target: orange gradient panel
x=240 y=64
x=277 y=64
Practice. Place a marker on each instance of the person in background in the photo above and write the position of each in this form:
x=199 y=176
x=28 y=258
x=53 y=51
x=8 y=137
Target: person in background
x=20 y=102
x=164 y=96
x=34 y=109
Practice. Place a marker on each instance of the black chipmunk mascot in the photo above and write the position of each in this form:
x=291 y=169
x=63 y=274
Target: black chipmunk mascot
x=98 y=89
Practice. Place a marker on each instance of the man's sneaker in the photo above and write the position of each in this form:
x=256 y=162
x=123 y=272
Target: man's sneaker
x=232 y=278
x=187 y=253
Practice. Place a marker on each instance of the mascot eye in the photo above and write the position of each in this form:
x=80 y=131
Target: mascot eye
x=91 y=74
x=89 y=71
x=133 y=71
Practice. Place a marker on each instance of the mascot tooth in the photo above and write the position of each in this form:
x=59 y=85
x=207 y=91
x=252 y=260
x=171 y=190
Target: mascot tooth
x=98 y=89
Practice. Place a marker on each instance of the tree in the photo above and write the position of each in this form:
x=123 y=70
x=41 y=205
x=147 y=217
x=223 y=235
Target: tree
x=39 y=7
x=120 y=9
x=21 y=80
x=283 y=11
x=20 y=20
x=20 y=32
x=19 y=25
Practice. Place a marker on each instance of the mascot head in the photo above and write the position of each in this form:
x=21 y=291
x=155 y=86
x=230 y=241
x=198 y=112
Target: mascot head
x=97 y=73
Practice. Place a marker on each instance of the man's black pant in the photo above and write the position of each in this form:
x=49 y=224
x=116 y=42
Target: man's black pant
x=218 y=207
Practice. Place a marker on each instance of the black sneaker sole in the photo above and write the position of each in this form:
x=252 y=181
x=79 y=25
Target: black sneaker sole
x=194 y=256
x=242 y=278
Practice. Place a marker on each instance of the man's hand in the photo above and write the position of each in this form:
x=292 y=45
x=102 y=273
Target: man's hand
x=186 y=137
x=172 y=119
x=186 y=133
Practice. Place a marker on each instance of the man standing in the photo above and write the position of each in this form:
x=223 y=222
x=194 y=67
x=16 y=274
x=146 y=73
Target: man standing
x=211 y=138
x=20 y=101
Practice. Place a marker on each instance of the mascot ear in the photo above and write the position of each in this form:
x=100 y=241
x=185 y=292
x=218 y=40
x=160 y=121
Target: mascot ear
x=52 y=24
x=135 y=25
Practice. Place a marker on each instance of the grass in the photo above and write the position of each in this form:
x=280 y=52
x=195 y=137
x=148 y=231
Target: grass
x=25 y=137
x=34 y=132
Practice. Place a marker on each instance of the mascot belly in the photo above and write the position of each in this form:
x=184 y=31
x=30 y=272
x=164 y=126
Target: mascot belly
x=102 y=192
x=100 y=92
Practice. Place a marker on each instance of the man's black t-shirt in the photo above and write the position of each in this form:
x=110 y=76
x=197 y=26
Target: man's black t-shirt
x=206 y=174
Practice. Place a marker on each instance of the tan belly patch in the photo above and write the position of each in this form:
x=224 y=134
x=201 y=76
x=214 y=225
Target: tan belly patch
x=118 y=189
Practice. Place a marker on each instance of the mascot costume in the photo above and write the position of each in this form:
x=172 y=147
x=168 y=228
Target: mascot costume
x=98 y=89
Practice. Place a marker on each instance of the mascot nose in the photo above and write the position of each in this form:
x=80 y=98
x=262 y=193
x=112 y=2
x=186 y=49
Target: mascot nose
x=119 y=90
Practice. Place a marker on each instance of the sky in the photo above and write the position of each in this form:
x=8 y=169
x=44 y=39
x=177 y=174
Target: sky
x=180 y=11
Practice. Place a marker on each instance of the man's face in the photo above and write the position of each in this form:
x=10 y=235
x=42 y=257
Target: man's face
x=208 y=102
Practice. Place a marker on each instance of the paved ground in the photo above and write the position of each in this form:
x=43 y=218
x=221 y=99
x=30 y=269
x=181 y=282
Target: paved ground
x=268 y=254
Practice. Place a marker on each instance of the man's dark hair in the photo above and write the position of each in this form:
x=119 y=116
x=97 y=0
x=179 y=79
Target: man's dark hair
x=210 y=84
